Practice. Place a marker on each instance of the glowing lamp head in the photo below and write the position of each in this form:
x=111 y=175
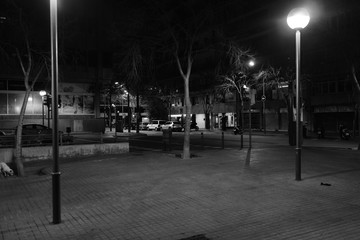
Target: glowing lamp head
x=251 y=63
x=298 y=18
x=42 y=93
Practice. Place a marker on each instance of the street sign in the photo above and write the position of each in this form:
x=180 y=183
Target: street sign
x=263 y=98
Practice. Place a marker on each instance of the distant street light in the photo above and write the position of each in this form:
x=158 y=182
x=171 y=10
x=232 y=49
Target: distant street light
x=248 y=89
x=116 y=120
x=251 y=63
x=298 y=19
x=129 y=112
x=42 y=94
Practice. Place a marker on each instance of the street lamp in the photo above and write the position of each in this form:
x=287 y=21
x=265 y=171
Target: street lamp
x=42 y=94
x=298 y=19
x=251 y=63
x=114 y=106
x=129 y=112
x=54 y=92
x=248 y=90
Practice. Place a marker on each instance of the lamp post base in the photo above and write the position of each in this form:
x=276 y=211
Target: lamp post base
x=298 y=164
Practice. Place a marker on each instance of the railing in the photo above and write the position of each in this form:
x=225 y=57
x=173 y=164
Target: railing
x=8 y=141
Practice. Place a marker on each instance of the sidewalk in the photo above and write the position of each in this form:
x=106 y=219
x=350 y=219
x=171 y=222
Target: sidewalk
x=216 y=195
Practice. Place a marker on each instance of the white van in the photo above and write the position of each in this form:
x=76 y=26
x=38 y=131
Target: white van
x=156 y=125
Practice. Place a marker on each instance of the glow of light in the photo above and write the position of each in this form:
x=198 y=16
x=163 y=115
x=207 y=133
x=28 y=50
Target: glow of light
x=30 y=99
x=298 y=18
x=251 y=63
x=42 y=93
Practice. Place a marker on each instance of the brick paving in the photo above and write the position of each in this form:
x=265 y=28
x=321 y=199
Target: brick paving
x=155 y=195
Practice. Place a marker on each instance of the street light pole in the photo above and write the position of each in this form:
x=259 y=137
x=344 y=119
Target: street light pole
x=298 y=117
x=55 y=139
x=297 y=19
x=42 y=94
x=129 y=113
x=250 y=133
x=263 y=99
x=42 y=110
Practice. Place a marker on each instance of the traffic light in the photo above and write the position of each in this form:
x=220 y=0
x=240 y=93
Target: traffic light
x=47 y=100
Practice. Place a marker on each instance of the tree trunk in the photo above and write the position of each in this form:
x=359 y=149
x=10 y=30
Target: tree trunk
x=186 y=148
x=186 y=77
x=18 y=148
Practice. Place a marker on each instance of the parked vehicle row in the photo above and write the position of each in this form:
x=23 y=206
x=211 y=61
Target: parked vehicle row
x=158 y=125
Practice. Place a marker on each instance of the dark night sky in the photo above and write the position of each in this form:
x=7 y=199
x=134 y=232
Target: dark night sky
x=260 y=25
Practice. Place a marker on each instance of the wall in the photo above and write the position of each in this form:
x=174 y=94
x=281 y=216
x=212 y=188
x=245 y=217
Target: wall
x=68 y=151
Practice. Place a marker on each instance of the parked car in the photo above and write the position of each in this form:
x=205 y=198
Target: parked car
x=193 y=126
x=133 y=126
x=40 y=134
x=143 y=126
x=175 y=126
x=156 y=125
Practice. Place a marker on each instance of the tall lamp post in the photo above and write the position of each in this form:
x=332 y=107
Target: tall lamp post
x=42 y=94
x=251 y=64
x=263 y=99
x=129 y=112
x=54 y=92
x=298 y=19
x=248 y=90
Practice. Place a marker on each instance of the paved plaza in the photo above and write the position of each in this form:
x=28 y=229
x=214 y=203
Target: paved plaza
x=215 y=195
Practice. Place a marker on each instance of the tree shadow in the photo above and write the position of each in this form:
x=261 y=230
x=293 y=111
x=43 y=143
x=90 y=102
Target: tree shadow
x=332 y=173
x=248 y=157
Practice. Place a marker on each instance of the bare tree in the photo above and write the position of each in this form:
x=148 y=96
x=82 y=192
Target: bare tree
x=31 y=64
x=186 y=29
x=29 y=82
x=235 y=75
x=207 y=100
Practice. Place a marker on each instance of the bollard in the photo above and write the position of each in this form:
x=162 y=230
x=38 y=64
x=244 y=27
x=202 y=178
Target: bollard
x=167 y=135
x=242 y=140
x=222 y=140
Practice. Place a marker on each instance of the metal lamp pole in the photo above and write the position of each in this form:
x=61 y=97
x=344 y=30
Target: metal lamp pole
x=54 y=88
x=263 y=99
x=42 y=94
x=250 y=132
x=129 y=113
x=297 y=19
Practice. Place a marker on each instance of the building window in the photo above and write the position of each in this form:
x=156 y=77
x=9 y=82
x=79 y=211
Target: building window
x=341 y=86
x=332 y=87
x=325 y=88
x=316 y=89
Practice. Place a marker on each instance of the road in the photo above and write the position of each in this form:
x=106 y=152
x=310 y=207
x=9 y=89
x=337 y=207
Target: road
x=206 y=140
x=213 y=140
